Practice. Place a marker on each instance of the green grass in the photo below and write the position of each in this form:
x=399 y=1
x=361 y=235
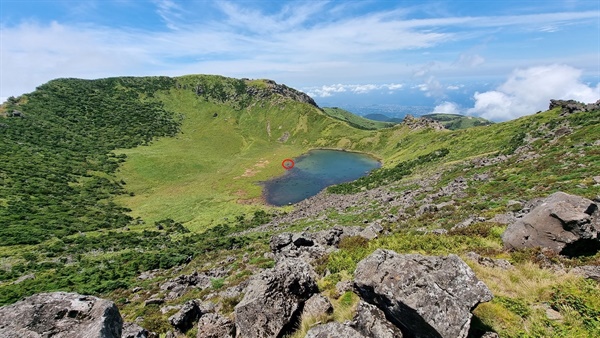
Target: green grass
x=202 y=185
x=214 y=167
x=456 y=121
x=355 y=120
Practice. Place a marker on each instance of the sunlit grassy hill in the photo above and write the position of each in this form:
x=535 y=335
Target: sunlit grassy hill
x=101 y=180
x=228 y=144
x=355 y=120
x=457 y=121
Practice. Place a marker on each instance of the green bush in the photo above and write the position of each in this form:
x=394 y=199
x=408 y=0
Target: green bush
x=217 y=283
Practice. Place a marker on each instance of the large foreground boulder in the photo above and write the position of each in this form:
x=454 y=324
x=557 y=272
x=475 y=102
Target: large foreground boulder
x=566 y=224
x=61 y=315
x=425 y=296
x=274 y=300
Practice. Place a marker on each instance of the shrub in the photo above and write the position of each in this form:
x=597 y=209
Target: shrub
x=217 y=283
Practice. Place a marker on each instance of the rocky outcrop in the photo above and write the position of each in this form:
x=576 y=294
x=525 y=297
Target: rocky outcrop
x=60 y=314
x=178 y=286
x=566 y=224
x=421 y=123
x=371 y=322
x=274 y=88
x=333 y=330
x=186 y=317
x=571 y=106
x=425 y=296
x=212 y=325
x=274 y=300
x=314 y=245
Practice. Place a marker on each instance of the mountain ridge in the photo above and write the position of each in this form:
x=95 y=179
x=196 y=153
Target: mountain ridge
x=152 y=143
x=450 y=121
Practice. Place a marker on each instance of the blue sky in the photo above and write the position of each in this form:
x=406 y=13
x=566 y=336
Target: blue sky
x=498 y=58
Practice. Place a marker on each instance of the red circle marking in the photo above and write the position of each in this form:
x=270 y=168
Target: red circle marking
x=287 y=164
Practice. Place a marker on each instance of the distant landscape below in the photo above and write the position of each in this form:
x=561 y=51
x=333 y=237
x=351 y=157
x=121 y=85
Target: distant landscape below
x=389 y=110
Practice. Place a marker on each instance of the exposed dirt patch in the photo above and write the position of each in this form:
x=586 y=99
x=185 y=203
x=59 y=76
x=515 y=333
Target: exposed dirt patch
x=250 y=172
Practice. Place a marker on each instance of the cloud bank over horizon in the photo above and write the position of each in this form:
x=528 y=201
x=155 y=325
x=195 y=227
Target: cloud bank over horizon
x=527 y=91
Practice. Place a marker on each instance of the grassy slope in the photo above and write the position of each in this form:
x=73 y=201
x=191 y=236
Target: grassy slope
x=456 y=121
x=355 y=120
x=191 y=178
x=213 y=168
x=521 y=295
x=383 y=118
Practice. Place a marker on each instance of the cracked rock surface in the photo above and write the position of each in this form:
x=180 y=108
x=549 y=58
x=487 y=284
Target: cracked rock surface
x=427 y=296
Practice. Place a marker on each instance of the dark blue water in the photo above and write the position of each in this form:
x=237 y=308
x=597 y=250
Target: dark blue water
x=314 y=171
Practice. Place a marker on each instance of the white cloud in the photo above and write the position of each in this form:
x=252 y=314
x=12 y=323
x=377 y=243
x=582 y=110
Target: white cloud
x=170 y=12
x=33 y=54
x=454 y=87
x=469 y=60
x=326 y=91
x=446 y=108
x=394 y=86
x=432 y=88
x=529 y=90
x=329 y=90
x=363 y=89
x=307 y=42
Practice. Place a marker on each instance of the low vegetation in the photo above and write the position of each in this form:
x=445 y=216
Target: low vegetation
x=456 y=121
x=102 y=180
x=355 y=120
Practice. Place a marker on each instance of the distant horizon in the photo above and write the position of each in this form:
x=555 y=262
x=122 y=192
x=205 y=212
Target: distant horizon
x=498 y=59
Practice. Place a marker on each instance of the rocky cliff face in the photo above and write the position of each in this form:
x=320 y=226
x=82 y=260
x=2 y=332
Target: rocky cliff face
x=421 y=123
x=273 y=87
x=571 y=106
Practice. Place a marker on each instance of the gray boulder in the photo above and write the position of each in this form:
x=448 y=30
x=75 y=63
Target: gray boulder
x=588 y=271
x=186 y=317
x=132 y=330
x=333 y=330
x=212 y=325
x=60 y=315
x=274 y=300
x=425 y=296
x=308 y=246
x=372 y=231
x=371 y=322
x=330 y=237
x=280 y=241
x=317 y=305
x=298 y=245
x=566 y=224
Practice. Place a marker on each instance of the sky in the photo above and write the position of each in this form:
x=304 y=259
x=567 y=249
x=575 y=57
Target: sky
x=498 y=59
